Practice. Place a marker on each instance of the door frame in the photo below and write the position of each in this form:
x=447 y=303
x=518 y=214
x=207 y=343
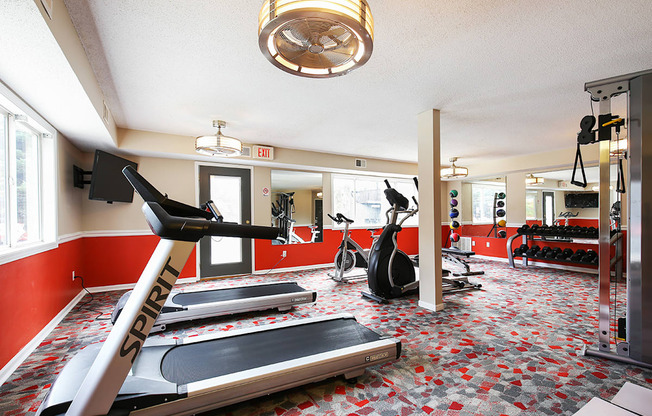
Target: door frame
x=198 y=202
x=544 y=218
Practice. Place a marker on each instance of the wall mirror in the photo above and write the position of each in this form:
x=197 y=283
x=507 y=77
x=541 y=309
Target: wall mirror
x=297 y=206
x=551 y=199
x=482 y=207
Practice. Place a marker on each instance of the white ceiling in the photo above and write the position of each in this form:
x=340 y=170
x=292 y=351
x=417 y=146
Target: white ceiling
x=508 y=76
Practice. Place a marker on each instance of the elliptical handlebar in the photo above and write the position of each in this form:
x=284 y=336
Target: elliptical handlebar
x=339 y=218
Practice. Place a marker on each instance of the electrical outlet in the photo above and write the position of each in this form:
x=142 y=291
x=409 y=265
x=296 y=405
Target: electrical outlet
x=472 y=243
x=487 y=244
x=284 y=254
x=73 y=276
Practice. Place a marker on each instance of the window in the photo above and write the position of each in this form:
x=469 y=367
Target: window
x=530 y=205
x=27 y=186
x=362 y=199
x=482 y=201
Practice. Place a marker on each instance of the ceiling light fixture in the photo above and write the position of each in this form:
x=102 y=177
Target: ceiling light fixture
x=454 y=171
x=218 y=144
x=533 y=180
x=618 y=147
x=316 y=38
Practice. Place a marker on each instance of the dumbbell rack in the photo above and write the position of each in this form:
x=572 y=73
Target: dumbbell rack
x=527 y=238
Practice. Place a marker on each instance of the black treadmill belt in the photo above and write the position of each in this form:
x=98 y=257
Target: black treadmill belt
x=233 y=293
x=193 y=362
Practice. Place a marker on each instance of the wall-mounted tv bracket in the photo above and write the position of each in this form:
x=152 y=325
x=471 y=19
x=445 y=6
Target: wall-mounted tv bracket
x=78 y=179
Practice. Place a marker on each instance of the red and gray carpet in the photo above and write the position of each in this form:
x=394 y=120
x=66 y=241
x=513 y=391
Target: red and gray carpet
x=514 y=347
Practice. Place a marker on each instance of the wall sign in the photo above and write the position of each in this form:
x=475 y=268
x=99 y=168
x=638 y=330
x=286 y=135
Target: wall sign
x=265 y=191
x=263 y=152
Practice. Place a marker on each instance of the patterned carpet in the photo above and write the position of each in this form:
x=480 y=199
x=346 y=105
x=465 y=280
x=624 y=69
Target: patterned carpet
x=512 y=348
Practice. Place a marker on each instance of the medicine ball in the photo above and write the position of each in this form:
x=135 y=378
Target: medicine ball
x=455 y=237
x=501 y=195
x=500 y=212
x=500 y=204
x=502 y=223
x=454 y=213
x=454 y=225
x=453 y=193
x=453 y=202
x=502 y=234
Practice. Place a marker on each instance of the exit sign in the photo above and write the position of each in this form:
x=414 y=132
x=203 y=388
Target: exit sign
x=263 y=152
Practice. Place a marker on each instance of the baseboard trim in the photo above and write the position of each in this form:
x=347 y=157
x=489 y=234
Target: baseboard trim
x=431 y=306
x=293 y=269
x=25 y=352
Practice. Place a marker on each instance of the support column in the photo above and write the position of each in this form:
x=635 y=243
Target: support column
x=430 y=268
x=515 y=201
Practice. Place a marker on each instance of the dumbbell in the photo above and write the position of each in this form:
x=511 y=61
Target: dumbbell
x=533 y=250
x=565 y=254
x=595 y=260
x=520 y=250
x=579 y=253
x=593 y=232
x=589 y=256
x=542 y=253
x=552 y=254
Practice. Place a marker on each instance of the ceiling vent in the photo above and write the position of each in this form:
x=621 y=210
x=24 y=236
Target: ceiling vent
x=246 y=151
x=360 y=163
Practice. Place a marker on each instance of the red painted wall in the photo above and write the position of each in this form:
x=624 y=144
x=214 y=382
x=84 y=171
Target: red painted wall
x=120 y=260
x=33 y=291
x=267 y=255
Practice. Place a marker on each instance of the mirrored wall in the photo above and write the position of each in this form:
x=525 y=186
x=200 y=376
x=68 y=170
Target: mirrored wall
x=482 y=210
x=297 y=205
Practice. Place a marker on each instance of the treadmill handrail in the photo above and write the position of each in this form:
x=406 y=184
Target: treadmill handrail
x=149 y=193
x=173 y=227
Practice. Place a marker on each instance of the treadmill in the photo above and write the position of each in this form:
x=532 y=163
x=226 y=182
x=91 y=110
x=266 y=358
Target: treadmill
x=182 y=306
x=131 y=374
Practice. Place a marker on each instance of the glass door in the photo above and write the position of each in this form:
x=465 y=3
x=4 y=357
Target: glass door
x=230 y=189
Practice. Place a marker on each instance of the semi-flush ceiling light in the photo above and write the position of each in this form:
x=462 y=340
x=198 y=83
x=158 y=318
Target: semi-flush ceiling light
x=316 y=38
x=533 y=180
x=218 y=144
x=618 y=147
x=454 y=171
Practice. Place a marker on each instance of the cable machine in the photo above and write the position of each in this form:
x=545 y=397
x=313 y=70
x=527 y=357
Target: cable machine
x=637 y=346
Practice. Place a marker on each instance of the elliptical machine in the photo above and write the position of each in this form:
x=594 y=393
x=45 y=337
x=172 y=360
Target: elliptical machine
x=391 y=272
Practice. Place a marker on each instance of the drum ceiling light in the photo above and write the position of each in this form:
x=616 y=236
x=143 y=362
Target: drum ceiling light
x=316 y=38
x=454 y=171
x=218 y=144
x=533 y=180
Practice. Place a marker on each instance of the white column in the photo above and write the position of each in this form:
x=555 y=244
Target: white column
x=430 y=268
x=515 y=201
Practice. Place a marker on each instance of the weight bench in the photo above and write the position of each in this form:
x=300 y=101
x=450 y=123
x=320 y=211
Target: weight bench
x=457 y=256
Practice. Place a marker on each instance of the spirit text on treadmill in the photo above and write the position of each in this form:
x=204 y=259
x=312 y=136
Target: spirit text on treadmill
x=375 y=357
x=151 y=309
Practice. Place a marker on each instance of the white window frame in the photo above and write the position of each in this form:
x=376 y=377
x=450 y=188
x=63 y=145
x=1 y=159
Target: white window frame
x=393 y=180
x=12 y=105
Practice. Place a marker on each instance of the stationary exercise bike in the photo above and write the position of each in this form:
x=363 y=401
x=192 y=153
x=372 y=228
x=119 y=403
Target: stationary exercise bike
x=391 y=272
x=350 y=254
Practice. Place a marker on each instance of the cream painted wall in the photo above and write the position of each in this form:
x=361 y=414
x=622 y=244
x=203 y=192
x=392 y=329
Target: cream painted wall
x=302 y=205
x=262 y=178
x=176 y=146
x=170 y=176
x=515 y=201
x=70 y=216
